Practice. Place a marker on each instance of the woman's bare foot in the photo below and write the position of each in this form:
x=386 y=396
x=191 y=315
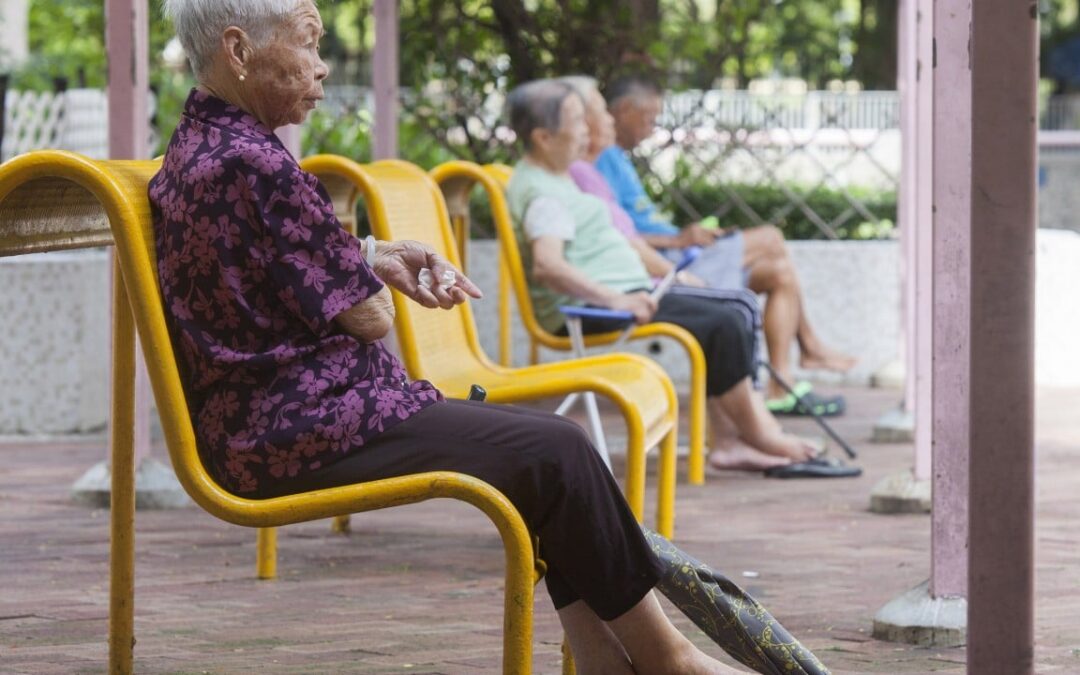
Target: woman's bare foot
x=789 y=447
x=827 y=359
x=741 y=457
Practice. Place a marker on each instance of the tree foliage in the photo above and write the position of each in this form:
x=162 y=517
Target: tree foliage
x=459 y=56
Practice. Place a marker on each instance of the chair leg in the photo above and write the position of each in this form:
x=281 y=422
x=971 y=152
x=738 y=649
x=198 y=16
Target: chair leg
x=665 y=490
x=577 y=340
x=341 y=524
x=699 y=432
x=266 y=553
x=567 y=658
x=596 y=428
x=122 y=511
x=634 y=486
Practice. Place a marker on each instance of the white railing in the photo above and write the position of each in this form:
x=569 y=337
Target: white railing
x=76 y=120
x=813 y=110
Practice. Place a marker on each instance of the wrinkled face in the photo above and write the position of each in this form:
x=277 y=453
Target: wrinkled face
x=561 y=148
x=284 y=77
x=601 y=123
x=635 y=118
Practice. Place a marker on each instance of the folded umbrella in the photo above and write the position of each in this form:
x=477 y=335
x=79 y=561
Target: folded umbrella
x=727 y=614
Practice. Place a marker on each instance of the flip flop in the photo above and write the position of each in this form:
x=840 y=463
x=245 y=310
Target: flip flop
x=823 y=406
x=818 y=467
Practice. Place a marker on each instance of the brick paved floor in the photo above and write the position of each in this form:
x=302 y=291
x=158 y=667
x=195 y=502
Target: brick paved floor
x=417 y=589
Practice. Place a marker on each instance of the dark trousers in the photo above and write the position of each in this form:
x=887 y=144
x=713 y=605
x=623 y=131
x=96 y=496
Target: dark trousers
x=718 y=325
x=546 y=466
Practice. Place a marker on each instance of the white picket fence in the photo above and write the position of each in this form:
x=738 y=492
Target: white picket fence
x=76 y=120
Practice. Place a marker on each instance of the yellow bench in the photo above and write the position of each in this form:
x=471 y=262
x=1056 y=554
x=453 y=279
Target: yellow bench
x=442 y=346
x=457 y=180
x=52 y=200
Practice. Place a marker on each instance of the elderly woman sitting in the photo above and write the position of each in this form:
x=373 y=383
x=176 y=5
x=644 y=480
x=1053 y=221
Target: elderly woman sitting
x=277 y=313
x=574 y=254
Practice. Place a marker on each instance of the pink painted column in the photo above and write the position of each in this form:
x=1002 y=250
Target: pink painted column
x=385 y=79
x=951 y=297
x=920 y=385
x=907 y=87
x=1004 y=62
x=127 y=44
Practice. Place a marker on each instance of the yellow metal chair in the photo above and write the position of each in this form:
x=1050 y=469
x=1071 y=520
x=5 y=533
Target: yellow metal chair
x=52 y=200
x=403 y=202
x=457 y=180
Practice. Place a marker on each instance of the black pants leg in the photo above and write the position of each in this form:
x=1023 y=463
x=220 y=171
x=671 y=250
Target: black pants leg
x=546 y=466
x=720 y=329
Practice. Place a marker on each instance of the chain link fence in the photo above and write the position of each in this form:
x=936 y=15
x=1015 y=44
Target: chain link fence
x=818 y=165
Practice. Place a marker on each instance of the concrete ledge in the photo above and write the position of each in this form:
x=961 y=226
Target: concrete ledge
x=900 y=493
x=156 y=487
x=54 y=348
x=852 y=291
x=916 y=618
x=895 y=426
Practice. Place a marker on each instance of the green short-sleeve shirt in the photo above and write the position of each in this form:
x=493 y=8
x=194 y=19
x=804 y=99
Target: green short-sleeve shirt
x=592 y=244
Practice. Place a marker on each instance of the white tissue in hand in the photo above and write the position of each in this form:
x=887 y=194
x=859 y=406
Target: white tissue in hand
x=427 y=279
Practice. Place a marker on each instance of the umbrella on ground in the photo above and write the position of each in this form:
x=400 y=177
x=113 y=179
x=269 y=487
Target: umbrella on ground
x=728 y=615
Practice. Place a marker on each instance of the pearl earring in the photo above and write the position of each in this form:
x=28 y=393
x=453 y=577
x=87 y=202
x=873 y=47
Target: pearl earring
x=242 y=77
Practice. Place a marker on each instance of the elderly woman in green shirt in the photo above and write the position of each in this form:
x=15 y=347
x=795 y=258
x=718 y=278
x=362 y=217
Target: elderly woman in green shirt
x=574 y=255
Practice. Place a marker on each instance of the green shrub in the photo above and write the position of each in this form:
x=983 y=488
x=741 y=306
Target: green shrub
x=773 y=205
x=789 y=207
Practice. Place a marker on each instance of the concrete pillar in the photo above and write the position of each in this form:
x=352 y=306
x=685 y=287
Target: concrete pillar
x=1004 y=44
x=951 y=297
x=909 y=491
x=898 y=425
x=127 y=38
x=384 y=79
x=934 y=613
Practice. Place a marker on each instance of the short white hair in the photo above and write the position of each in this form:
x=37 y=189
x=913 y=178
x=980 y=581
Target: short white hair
x=582 y=84
x=199 y=24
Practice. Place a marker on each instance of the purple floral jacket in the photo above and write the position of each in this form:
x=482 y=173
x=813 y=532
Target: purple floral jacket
x=253 y=268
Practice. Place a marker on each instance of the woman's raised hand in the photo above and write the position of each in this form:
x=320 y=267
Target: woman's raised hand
x=398 y=263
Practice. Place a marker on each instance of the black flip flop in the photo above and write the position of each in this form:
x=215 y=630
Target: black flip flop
x=818 y=467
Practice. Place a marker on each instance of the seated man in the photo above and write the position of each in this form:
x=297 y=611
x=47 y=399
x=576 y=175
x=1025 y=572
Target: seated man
x=756 y=257
x=573 y=255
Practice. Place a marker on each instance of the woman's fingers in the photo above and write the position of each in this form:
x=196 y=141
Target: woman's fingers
x=441 y=269
x=425 y=297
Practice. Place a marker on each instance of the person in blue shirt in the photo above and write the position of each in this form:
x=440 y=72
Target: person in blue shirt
x=756 y=258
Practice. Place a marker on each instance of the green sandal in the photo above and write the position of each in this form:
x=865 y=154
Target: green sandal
x=823 y=406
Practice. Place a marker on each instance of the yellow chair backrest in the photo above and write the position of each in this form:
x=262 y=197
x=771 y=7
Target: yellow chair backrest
x=406 y=204
x=457 y=179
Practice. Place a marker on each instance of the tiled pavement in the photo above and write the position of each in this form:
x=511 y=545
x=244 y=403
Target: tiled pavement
x=417 y=589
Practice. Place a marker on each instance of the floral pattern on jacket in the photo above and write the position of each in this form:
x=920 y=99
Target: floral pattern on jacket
x=253 y=268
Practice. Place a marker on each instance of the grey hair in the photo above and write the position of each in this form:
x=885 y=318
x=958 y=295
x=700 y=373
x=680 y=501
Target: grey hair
x=537 y=105
x=582 y=84
x=633 y=87
x=200 y=23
